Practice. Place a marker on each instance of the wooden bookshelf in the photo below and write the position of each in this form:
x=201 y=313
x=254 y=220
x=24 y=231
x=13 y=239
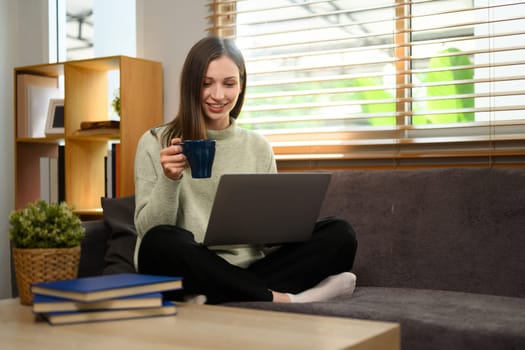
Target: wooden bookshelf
x=87 y=98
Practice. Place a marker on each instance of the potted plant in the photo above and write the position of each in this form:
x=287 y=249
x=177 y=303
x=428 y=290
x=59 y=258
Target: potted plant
x=45 y=243
x=115 y=103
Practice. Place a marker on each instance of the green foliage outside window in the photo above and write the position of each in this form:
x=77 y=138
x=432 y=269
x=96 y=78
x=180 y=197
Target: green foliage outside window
x=374 y=95
x=448 y=90
x=431 y=91
x=380 y=95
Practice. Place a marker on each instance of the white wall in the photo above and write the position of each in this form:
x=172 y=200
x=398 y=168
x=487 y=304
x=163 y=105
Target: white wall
x=166 y=29
x=6 y=143
x=31 y=32
x=23 y=41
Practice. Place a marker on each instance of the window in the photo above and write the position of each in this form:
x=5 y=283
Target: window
x=84 y=29
x=382 y=82
x=72 y=35
x=79 y=29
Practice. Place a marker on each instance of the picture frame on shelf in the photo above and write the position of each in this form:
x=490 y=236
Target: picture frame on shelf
x=55 y=117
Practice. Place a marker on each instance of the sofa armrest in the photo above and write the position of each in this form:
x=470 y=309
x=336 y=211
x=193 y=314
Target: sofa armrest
x=93 y=248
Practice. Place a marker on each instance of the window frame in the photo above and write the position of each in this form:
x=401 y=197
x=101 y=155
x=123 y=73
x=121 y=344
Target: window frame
x=478 y=144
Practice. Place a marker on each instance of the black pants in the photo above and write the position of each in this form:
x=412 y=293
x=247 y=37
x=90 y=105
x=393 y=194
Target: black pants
x=294 y=267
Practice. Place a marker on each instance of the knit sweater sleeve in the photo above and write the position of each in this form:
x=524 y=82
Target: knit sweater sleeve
x=156 y=196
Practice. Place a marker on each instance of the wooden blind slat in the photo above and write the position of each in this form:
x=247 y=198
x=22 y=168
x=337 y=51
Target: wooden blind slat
x=397 y=61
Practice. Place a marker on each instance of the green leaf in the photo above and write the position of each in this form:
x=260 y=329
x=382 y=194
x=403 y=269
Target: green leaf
x=448 y=90
x=43 y=225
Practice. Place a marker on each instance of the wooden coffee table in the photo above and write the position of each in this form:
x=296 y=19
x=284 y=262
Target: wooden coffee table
x=197 y=327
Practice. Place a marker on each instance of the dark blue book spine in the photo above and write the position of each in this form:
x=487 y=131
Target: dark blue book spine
x=61 y=173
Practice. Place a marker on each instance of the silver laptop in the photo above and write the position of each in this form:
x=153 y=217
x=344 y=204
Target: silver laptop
x=266 y=208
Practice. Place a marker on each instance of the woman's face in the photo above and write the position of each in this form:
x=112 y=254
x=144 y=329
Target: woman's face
x=220 y=91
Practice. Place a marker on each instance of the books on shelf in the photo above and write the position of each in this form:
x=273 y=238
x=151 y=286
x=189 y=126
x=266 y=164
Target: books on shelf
x=61 y=173
x=67 y=317
x=112 y=171
x=45 y=179
x=106 y=297
x=88 y=289
x=44 y=303
x=115 y=149
x=49 y=179
x=53 y=180
x=52 y=177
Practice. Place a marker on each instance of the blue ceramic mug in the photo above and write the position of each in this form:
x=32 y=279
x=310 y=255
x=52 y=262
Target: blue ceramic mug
x=200 y=155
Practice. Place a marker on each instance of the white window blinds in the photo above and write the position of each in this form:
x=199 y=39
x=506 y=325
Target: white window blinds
x=382 y=83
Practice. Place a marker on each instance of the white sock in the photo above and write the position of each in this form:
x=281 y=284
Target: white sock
x=329 y=288
x=195 y=299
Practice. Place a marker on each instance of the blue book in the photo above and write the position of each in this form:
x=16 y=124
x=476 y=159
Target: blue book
x=105 y=287
x=44 y=303
x=56 y=318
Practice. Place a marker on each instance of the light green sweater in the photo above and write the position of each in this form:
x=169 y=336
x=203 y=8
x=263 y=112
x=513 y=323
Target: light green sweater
x=187 y=202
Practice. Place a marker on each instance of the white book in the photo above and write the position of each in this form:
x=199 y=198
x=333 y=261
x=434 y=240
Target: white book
x=44 y=179
x=53 y=180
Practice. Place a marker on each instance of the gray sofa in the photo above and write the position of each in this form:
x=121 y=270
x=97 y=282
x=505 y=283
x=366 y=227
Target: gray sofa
x=441 y=251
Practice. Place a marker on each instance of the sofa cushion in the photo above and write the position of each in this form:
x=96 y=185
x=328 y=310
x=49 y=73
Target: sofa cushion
x=446 y=229
x=430 y=319
x=118 y=218
x=93 y=248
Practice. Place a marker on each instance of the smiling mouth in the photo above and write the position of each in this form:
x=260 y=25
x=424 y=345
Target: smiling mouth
x=216 y=107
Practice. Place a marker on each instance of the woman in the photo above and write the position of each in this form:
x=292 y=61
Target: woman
x=172 y=208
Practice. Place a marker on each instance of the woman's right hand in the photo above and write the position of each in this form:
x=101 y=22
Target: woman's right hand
x=172 y=159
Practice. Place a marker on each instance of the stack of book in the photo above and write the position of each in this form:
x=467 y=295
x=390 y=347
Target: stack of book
x=102 y=298
x=102 y=127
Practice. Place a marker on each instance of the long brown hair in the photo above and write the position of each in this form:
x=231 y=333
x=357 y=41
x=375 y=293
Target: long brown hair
x=189 y=121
